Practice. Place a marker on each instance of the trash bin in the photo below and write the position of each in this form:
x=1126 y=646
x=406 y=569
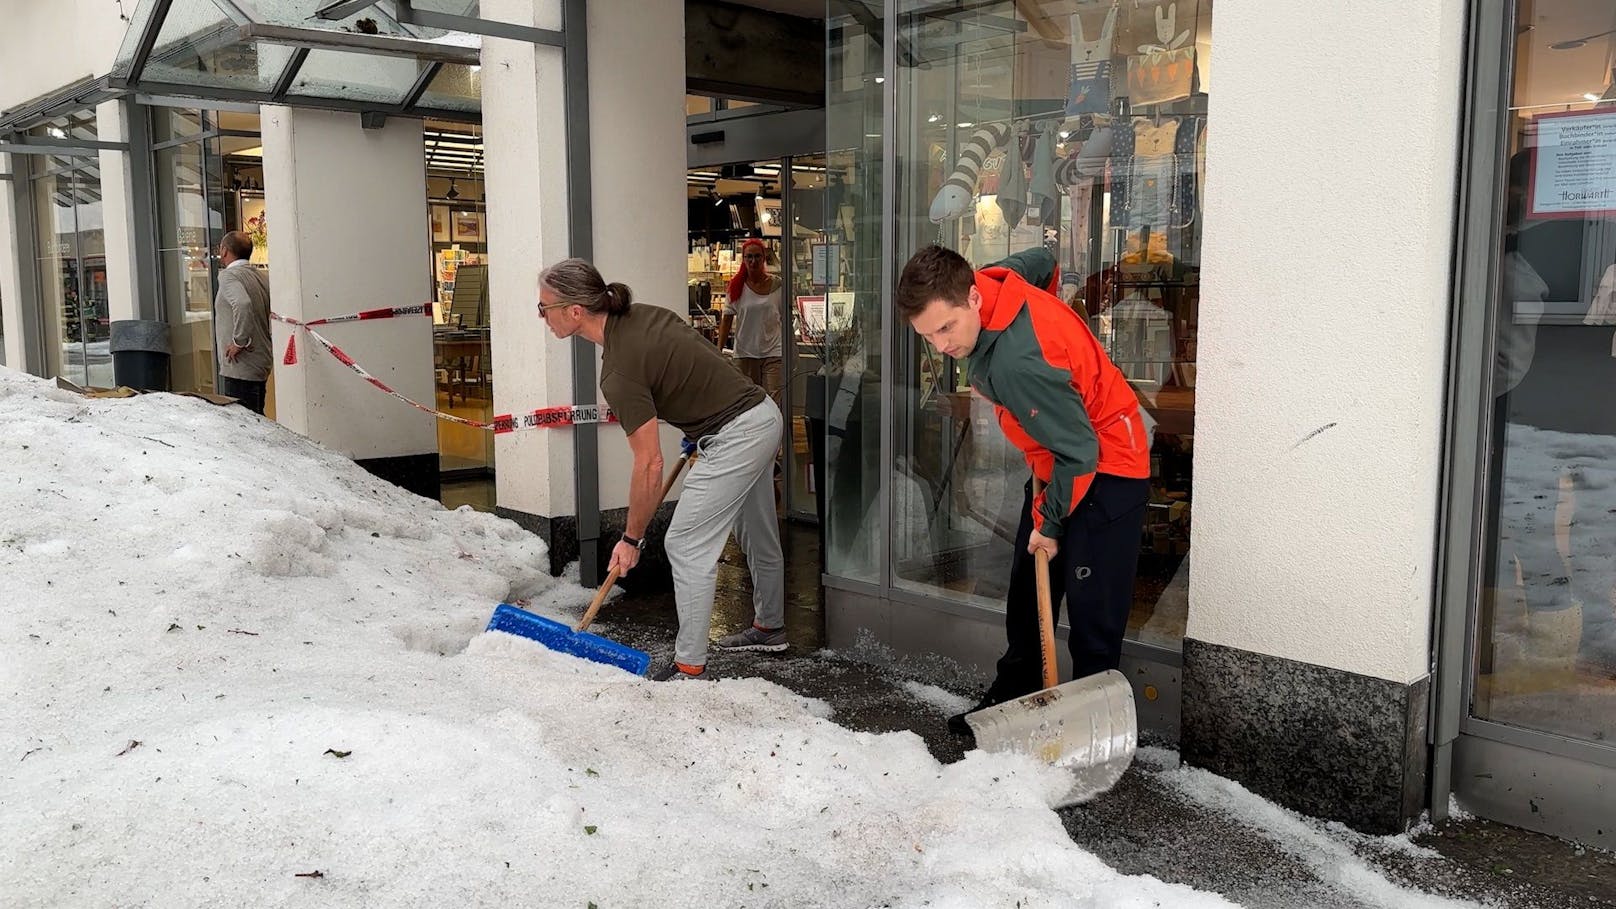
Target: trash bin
x=140 y=352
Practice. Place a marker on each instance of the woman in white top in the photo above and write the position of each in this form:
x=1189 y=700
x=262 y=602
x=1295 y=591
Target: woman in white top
x=754 y=306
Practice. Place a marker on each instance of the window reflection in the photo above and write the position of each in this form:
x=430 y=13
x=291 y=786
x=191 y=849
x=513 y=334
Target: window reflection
x=1080 y=128
x=71 y=246
x=1546 y=653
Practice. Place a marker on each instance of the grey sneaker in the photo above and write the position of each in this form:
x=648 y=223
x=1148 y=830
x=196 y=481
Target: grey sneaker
x=672 y=673
x=755 y=638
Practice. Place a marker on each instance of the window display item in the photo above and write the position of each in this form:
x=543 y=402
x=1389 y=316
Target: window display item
x=1013 y=180
x=954 y=198
x=1168 y=36
x=1160 y=77
x=1042 y=196
x=1088 y=162
x=1089 y=88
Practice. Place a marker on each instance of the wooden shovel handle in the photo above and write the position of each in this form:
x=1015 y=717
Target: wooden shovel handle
x=1046 y=611
x=614 y=574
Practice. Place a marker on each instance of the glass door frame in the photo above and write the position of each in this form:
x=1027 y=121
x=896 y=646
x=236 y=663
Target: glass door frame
x=1536 y=780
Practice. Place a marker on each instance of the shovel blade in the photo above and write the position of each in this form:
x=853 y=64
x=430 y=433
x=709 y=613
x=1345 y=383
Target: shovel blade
x=563 y=639
x=1087 y=727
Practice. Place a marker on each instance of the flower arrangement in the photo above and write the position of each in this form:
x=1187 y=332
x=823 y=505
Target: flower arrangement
x=258 y=229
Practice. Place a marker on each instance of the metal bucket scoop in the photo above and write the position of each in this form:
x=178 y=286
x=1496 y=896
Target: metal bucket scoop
x=1087 y=726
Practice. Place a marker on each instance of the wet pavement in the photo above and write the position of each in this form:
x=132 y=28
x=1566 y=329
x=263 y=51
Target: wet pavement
x=1159 y=820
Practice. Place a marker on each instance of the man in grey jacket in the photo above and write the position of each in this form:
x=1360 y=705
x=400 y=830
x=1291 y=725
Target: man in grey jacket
x=241 y=324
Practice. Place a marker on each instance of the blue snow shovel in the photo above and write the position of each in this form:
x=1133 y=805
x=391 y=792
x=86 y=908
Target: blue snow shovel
x=576 y=641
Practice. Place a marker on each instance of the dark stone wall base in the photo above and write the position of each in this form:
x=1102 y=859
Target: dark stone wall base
x=417 y=473
x=560 y=534
x=1321 y=741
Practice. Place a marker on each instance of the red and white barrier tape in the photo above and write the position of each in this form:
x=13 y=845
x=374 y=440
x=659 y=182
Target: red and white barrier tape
x=420 y=309
x=543 y=418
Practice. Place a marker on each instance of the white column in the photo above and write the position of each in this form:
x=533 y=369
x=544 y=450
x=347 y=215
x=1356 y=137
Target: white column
x=1323 y=330
x=117 y=211
x=638 y=160
x=348 y=231
x=525 y=167
x=10 y=271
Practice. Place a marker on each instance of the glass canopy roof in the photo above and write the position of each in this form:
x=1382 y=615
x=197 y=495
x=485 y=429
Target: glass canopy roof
x=374 y=57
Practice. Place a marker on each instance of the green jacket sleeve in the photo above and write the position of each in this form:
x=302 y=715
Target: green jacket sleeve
x=1036 y=266
x=1041 y=399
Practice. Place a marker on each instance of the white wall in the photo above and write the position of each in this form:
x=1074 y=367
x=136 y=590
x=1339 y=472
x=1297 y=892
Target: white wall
x=10 y=274
x=1323 y=325
x=117 y=211
x=637 y=160
x=47 y=45
x=525 y=161
x=357 y=242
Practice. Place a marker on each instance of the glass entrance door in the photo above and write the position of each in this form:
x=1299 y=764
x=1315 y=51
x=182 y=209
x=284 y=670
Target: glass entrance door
x=815 y=276
x=1537 y=729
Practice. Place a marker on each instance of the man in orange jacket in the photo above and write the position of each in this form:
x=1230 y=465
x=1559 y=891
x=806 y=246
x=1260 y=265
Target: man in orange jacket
x=1061 y=400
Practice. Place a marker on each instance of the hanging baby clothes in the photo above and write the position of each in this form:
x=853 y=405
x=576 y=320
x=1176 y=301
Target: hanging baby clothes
x=1089 y=84
x=1164 y=71
x=1152 y=178
x=1013 y=181
x=1042 y=197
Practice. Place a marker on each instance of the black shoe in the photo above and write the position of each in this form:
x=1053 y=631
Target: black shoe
x=957 y=724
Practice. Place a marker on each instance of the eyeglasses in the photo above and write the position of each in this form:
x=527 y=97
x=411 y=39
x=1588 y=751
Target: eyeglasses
x=544 y=309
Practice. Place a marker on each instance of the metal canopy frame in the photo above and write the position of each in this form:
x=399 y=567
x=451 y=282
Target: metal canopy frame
x=81 y=94
x=243 y=27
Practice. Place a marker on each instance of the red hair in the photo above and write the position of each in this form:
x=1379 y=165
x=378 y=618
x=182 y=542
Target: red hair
x=739 y=281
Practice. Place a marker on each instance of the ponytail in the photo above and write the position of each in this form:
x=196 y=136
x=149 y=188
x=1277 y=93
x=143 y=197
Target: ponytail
x=618 y=298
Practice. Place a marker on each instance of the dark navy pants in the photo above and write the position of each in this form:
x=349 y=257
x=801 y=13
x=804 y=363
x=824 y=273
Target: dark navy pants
x=1094 y=572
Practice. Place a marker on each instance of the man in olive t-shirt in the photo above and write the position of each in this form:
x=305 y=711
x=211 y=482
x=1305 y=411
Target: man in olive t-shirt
x=656 y=367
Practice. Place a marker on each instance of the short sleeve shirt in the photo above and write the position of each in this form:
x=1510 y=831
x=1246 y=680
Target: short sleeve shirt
x=654 y=365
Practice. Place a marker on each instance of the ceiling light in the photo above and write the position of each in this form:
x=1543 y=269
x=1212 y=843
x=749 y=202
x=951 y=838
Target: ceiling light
x=452 y=193
x=880 y=79
x=58 y=132
x=934 y=118
x=965 y=124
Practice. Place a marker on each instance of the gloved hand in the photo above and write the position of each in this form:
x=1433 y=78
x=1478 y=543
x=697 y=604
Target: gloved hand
x=687 y=448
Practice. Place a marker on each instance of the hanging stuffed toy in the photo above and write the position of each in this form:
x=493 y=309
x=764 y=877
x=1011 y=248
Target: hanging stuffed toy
x=954 y=198
x=1088 y=163
x=1089 y=87
x=1164 y=71
x=1042 y=197
x=1013 y=181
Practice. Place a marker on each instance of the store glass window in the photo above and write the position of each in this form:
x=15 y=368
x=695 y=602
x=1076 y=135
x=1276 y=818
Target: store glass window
x=845 y=395
x=71 y=249
x=1079 y=128
x=210 y=180
x=1546 y=644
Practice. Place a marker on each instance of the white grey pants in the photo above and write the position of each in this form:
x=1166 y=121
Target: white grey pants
x=730 y=486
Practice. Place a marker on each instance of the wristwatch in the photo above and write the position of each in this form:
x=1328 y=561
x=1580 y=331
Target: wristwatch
x=637 y=544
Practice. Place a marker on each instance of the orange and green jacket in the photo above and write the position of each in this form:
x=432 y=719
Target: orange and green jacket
x=1057 y=395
